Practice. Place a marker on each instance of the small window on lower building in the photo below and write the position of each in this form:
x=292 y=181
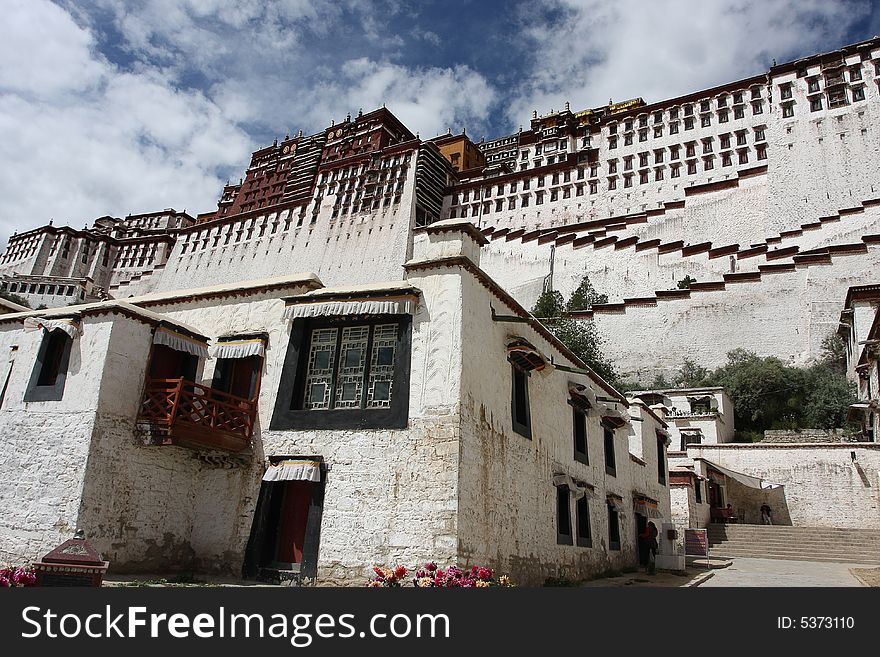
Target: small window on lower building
x=613 y=528
x=563 y=516
x=584 y=530
x=610 y=461
x=519 y=402
x=579 y=420
x=50 y=371
x=698 y=491
x=661 y=459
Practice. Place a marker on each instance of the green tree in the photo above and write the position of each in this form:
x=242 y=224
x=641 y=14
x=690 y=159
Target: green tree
x=580 y=336
x=585 y=296
x=833 y=353
x=549 y=305
x=691 y=375
x=685 y=283
x=828 y=395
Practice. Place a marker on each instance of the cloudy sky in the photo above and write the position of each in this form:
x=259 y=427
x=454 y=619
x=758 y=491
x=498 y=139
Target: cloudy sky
x=119 y=106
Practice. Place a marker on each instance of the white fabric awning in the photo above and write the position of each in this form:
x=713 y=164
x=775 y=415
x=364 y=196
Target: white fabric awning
x=238 y=348
x=614 y=416
x=647 y=508
x=294 y=470
x=396 y=306
x=578 y=489
x=744 y=479
x=584 y=392
x=180 y=342
x=70 y=325
x=615 y=503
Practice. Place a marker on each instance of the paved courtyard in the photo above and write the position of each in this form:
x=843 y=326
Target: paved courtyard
x=778 y=572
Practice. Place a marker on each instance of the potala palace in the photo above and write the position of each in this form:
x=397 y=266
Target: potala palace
x=336 y=366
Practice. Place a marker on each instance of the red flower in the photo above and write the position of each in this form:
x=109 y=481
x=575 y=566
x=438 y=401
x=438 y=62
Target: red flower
x=430 y=566
x=484 y=574
x=399 y=572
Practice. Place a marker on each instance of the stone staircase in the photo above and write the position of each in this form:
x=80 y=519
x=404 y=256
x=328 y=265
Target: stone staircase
x=795 y=543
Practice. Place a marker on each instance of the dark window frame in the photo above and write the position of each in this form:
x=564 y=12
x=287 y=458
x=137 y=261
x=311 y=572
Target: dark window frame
x=524 y=427
x=661 y=459
x=563 y=516
x=608 y=438
x=583 y=522
x=37 y=391
x=579 y=426
x=613 y=528
x=289 y=413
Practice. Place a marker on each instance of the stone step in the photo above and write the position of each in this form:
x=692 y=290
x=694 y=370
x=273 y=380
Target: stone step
x=813 y=547
x=788 y=557
x=855 y=536
x=789 y=549
x=791 y=528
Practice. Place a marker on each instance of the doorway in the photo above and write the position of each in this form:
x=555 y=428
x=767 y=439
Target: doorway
x=238 y=376
x=286 y=531
x=641 y=524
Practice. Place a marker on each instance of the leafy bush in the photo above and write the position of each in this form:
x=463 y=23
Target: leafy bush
x=580 y=336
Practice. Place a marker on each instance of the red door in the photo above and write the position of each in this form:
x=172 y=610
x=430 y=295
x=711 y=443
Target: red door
x=294 y=516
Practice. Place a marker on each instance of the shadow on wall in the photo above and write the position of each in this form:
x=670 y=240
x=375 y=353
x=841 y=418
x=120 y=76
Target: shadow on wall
x=747 y=501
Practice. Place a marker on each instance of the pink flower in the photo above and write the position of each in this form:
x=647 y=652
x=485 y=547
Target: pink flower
x=430 y=566
x=4 y=582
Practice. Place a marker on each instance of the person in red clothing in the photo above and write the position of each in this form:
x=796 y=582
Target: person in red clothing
x=648 y=539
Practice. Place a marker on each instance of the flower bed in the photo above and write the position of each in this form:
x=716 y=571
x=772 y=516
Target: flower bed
x=431 y=576
x=16 y=577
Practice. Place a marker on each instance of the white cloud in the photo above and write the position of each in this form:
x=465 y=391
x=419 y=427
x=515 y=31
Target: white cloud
x=588 y=51
x=81 y=138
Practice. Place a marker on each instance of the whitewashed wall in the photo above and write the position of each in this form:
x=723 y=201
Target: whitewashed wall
x=824 y=487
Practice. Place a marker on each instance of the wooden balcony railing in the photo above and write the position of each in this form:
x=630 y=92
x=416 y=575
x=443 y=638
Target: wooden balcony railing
x=184 y=413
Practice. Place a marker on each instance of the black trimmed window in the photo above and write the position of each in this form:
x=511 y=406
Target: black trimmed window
x=698 y=491
x=346 y=372
x=519 y=401
x=563 y=516
x=661 y=459
x=584 y=529
x=613 y=528
x=579 y=427
x=610 y=459
x=50 y=371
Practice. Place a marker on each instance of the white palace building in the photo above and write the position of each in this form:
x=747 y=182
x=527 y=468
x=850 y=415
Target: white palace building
x=336 y=367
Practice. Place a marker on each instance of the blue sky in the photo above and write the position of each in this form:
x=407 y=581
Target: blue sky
x=115 y=106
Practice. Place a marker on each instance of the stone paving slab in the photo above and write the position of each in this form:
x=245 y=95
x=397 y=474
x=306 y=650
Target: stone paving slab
x=744 y=572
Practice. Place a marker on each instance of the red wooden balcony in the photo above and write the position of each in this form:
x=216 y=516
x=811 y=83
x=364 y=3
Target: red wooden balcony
x=180 y=412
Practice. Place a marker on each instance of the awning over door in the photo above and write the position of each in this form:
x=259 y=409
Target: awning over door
x=181 y=342
x=294 y=470
x=235 y=347
x=744 y=479
x=70 y=325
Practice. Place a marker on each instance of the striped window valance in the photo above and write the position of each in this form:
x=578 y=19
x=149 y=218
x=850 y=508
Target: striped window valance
x=180 y=341
x=578 y=489
x=70 y=325
x=294 y=470
x=525 y=355
x=383 y=306
x=615 y=502
x=646 y=507
x=582 y=397
x=238 y=348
